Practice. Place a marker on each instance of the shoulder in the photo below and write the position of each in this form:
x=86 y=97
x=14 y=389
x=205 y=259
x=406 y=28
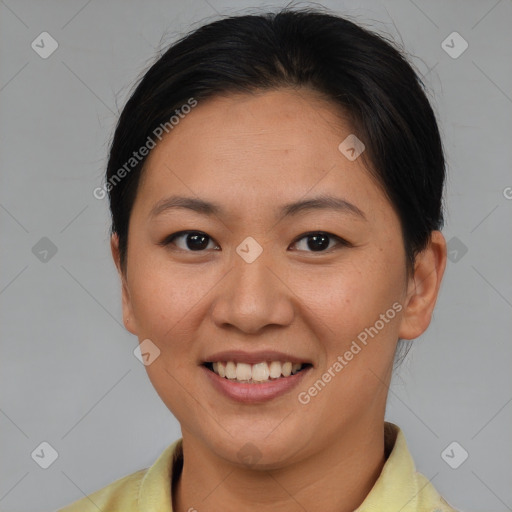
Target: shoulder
x=137 y=491
x=428 y=498
x=119 y=496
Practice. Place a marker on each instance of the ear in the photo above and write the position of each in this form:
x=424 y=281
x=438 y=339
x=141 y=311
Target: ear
x=423 y=288
x=128 y=317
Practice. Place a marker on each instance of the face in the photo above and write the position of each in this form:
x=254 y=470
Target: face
x=303 y=284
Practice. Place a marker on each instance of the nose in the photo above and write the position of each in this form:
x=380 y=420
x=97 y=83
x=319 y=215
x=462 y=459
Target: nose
x=252 y=296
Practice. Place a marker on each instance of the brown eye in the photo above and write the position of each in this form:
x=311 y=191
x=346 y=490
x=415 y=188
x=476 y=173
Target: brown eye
x=319 y=241
x=193 y=240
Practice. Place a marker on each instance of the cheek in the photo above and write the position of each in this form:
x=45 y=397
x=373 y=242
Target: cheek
x=357 y=345
x=345 y=299
x=164 y=299
x=166 y=305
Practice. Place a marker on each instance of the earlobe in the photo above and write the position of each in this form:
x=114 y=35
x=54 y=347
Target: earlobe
x=128 y=318
x=424 y=288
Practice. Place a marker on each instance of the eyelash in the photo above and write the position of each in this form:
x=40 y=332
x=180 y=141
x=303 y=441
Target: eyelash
x=341 y=242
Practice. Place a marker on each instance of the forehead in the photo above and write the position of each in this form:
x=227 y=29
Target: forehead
x=249 y=151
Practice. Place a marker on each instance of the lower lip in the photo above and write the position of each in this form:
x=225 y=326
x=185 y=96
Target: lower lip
x=250 y=393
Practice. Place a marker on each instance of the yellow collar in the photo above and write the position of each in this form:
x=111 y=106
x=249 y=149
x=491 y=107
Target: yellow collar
x=399 y=487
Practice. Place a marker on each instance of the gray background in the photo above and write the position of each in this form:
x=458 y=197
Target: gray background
x=68 y=373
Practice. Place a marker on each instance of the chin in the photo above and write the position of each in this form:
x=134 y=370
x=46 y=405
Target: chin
x=258 y=448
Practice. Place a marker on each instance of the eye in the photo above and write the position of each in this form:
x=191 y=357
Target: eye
x=194 y=241
x=319 y=241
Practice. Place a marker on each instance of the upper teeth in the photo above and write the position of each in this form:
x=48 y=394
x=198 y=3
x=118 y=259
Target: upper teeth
x=258 y=372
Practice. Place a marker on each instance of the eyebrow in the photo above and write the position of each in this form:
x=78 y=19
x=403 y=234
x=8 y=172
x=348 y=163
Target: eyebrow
x=323 y=202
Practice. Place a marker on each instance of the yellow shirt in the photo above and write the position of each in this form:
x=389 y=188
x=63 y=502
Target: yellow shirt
x=399 y=487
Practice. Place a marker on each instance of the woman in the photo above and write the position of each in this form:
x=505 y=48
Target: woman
x=276 y=183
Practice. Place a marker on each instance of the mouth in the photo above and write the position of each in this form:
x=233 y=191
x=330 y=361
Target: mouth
x=258 y=373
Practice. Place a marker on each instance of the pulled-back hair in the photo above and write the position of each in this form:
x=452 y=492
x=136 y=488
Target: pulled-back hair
x=358 y=71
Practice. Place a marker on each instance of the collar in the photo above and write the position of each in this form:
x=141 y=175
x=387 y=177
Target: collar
x=399 y=487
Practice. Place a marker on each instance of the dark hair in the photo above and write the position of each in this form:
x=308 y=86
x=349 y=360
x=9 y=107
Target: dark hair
x=353 y=68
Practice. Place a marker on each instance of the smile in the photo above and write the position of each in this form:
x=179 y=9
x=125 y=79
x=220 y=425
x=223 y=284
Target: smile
x=255 y=373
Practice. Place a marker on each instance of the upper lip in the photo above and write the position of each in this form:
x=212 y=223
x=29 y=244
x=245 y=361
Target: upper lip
x=241 y=356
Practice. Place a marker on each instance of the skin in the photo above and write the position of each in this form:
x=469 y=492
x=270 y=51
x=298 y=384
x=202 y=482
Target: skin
x=251 y=154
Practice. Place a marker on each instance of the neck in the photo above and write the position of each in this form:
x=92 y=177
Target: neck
x=337 y=478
